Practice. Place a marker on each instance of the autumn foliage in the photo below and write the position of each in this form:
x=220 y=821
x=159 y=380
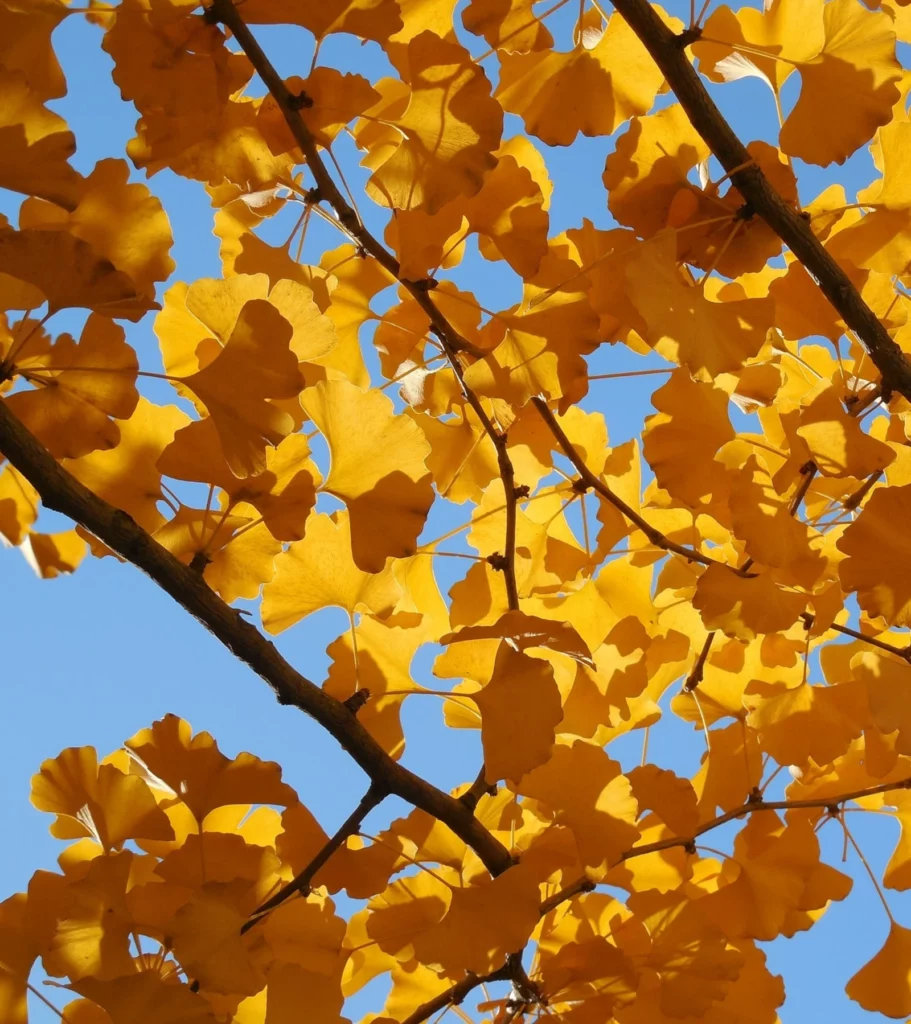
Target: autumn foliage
x=745 y=559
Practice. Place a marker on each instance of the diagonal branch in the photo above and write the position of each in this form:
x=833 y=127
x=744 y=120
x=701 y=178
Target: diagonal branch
x=301 y=883
x=227 y=13
x=669 y=53
x=63 y=493
x=456 y=993
x=654 y=536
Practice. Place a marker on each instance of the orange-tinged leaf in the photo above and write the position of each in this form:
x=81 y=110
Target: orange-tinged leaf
x=18 y=952
x=879 y=556
x=520 y=708
x=687 y=327
x=319 y=572
x=70 y=272
x=794 y=725
x=77 y=387
x=605 y=79
x=523 y=631
x=35 y=144
x=599 y=808
x=745 y=607
x=848 y=89
x=883 y=985
x=54 y=554
x=377 y=468
x=97 y=801
x=449 y=130
x=145 y=998
x=255 y=365
x=124 y=222
x=838 y=443
x=199 y=774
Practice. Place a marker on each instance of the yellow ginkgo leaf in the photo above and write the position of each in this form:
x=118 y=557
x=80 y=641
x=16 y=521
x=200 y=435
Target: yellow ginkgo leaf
x=687 y=327
x=837 y=441
x=510 y=26
x=377 y=467
x=449 y=130
x=98 y=801
x=879 y=556
x=53 y=554
x=70 y=272
x=520 y=709
x=848 y=89
x=883 y=985
x=77 y=388
x=255 y=365
x=599 y=808
x=199 y=774
x=605 y=79
x=145 y=998
x=745 y=607
x=319 y=572
x=123 y=221
x=35 y=144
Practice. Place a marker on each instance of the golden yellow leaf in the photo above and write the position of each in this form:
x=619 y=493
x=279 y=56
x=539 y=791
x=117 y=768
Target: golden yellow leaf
x=883 y=985
x=448 y=132
x=605 y=79
x=319 y=572
x=377 y=468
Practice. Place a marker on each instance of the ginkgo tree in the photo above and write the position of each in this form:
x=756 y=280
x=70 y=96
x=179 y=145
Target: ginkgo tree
x=753 y=536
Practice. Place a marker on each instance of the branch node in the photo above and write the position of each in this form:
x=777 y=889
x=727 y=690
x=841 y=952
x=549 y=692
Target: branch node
x=755 y=796
x=498 y=561
x=357 y=700
x=688 y=36
x=300 y=101
x=425 y=284
x=833 y=810
x=745 y=213
x=210 y=15
x=199 y=561
x=580 y=486
x=522 y=491
x=689 y=847
x=313 y=196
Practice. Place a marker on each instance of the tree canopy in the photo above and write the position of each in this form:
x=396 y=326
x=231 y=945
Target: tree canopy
x=324 y=431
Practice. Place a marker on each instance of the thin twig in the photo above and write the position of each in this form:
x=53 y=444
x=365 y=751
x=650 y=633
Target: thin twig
x=301 y=882
x=654 y=535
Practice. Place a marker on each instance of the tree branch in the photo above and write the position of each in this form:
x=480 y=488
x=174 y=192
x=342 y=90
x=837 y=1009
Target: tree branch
x=668 y=52
x=225 y=12
x=301 y=883
x=63 y=493
x=654 y=536
x=456 y=993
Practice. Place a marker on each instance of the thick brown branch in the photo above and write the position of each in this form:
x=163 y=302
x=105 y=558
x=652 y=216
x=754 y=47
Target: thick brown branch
x=670 y=56
x=63 y=493
x=654 y=536
x=301 y=883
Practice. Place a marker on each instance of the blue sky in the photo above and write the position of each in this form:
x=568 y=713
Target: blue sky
x=93 y=658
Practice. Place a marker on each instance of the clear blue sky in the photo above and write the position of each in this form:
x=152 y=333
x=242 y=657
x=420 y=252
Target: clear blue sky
x=92 y=658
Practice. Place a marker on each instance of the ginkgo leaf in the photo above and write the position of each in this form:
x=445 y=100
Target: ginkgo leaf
x=687 y=327
x=848 y=89
x=537 y=347
x=592 y=89
x=19 y=949
x=523 y=631
x=744 y=607
x=98 y=801
x=371 y=19
x=319 y=572
x=35 y=144
x=255 y=365
x=377 y=468
x=883 y=985
x=145 y=998
x=70 y=273
x=26 y=31
x=680 y=442
x=520 y=708
x=879 y=554
x=199 y=774
x=77 y=387
x=448 y=131
x=53 y=554
x=796 y=724
x=838 y=443
x=508 y=25
x=599 y=808
x=124 y=222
